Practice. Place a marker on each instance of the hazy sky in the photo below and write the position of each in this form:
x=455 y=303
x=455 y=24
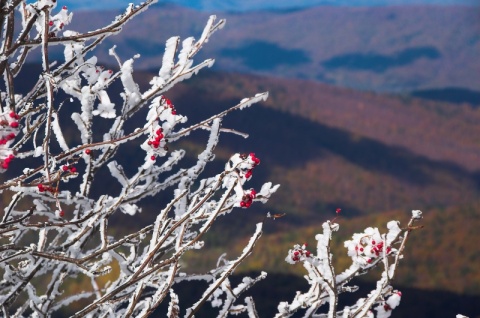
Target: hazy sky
x=246 y=5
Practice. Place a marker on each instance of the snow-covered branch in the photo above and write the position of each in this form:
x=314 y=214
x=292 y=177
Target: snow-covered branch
x=55 y=226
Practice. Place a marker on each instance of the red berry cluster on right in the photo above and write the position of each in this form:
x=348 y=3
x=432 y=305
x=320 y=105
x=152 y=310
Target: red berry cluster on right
x=44 y=188
x=155 y=141
x=299 y=252
x=255 y=160
x=170 y=105
x=247 y=199
x=6 y=161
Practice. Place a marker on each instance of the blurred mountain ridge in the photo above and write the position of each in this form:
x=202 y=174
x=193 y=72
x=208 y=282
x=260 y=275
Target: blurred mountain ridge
x=383 y=49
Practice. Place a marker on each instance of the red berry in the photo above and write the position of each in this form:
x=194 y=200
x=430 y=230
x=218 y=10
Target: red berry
x=14 y=124
x=65 y=168
x=153 y=158
x=242 y=204
x=50 y=23
x=73 y=169
x=361 y=249
x=64 y=8
x=88 y=151
x=41 y=188
x=5 y=165
x=12 y=115
x=307 y=253
x=155 y=144
x=61 y=214
x=248 y=174
x=159 y=131
x=174 y=112
x=369 y=260
x=338 y=210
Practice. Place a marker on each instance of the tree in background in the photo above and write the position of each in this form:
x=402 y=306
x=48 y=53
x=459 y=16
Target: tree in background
x=60 y=138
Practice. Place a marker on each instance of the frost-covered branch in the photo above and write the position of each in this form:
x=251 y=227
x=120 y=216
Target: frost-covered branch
x=367 y=251
x=55 y=226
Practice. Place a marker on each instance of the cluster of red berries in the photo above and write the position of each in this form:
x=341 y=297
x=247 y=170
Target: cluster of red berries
x=14 y=123
x=156 y=140
x=60 y=26
x=43 y=188
x=7 y=138
x=10 y=122
x=7 y=161
x=298 y=252
x=170 y=105
x=255 y=160
x=247 y=198
x=66 y=168
x=375 y=250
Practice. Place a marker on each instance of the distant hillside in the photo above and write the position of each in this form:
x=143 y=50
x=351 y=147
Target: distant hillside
x=451 y=95
x=375 y=156
x=396 y=48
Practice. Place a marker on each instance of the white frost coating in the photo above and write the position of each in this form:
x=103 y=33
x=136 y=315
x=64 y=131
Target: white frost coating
x=90 y=71
x=207 y=30
x=58 y=133
x=173 y=308
x=73 y=49
x=38 y=151
x=132 y=91
x=393 y=231
x=130 y=209
x=266 y=191
x=247 y=102
x=184 y=62
x=42 y=238
x=394 y=300
x=106 y=108
x=417 y=214
x=84 y=134
x=168 y=58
